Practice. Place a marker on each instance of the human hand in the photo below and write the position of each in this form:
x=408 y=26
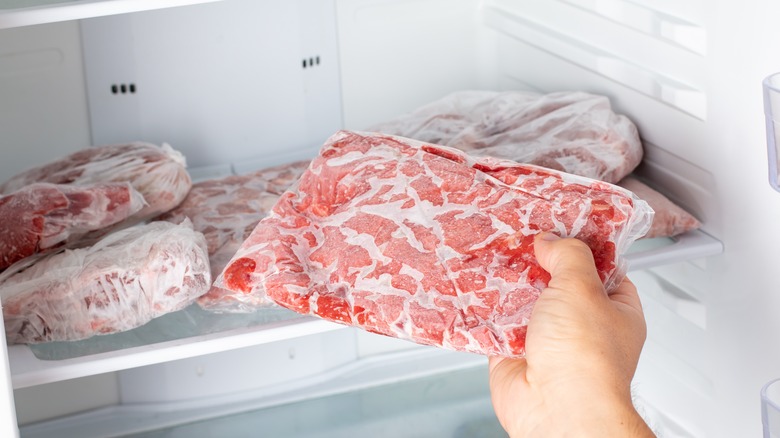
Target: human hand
x=582 y=350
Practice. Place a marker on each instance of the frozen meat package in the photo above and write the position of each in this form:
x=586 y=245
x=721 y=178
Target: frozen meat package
x=574 y=132
x=123 y=281
x=42 y=216
x=226 y=210
x=426 y=243
x=158 y=172
x=670 y=219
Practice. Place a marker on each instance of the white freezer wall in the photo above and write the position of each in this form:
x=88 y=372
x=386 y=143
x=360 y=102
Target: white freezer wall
x=43 y=100
x=688 y=72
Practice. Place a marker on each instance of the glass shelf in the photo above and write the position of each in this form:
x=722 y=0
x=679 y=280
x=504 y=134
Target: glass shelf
x=193 y=332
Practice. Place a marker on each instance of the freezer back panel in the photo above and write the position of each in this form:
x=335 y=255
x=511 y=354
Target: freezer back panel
x=226 y=82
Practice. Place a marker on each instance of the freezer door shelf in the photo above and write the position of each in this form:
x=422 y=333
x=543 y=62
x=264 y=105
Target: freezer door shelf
x=18 y=13
x=192 y=332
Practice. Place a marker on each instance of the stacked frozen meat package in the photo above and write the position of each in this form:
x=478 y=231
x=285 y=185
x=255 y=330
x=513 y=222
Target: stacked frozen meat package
x=110 y=237
x=79 y=259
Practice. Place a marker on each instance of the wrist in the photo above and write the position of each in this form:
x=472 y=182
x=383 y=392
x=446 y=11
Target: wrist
x=592 y=415
x=607 y=418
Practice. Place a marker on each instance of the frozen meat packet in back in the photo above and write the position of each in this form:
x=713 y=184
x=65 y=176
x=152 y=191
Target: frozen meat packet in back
x=158 y=172
x=43 y=216
x=570 y=131
x=226 y=210
x=425 y=243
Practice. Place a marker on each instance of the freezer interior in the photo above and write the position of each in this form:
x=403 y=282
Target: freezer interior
x=239 y=85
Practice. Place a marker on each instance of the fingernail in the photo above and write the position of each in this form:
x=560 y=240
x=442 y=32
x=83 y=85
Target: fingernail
x=550 y=237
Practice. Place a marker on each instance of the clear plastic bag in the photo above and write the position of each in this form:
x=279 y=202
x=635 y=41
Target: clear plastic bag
x=128 y=278
x=426 y=243
x=42 y=216
x=158 y=173
x=226 y=210
x=574 y=132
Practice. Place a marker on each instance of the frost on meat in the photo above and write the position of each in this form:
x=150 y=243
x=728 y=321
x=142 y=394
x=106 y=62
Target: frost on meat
x=425 y=243
x=226 y=210
x=128 y=278
x=42 y=216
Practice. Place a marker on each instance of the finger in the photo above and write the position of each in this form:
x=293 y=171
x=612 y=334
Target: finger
x=569 y=262
x=626 y=293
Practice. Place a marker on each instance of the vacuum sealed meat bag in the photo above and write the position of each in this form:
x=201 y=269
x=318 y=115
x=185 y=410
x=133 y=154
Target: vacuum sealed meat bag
x=226 y=210
x=125 y=280
x=573 y=132
x=426 y=243
x=158 y=173
x=42 y=216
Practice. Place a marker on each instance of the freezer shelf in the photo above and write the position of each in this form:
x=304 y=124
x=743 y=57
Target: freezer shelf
x=649 y=253
x=186 y=333
x=18 y=13
x=193 y=332
x=425 y=393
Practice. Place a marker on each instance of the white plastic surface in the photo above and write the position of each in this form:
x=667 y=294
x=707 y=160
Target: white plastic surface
x=350 y=378
x=18 y=13
x=241 y=90
x=650 y=21
x=643 y=79
x=398 y=55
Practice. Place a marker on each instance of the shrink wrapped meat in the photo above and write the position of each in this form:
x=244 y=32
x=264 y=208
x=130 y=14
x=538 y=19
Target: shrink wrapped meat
x=226 y=210
x=573 y=132
x=426 y=243
x=42 y=216
x=128 y=278
x=669 y=219
x=158 y=173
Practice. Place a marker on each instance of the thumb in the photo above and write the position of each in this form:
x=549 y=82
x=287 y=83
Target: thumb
x=569 y=262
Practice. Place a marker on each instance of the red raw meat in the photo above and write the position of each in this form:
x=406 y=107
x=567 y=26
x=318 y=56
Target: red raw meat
x=573 y=132
x=128 y=278
x=42 y=216
x=158 y=173
x=226 y=210
x=425 y=243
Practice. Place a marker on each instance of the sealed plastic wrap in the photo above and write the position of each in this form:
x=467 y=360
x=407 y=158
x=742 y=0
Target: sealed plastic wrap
x=226 y=210
x=573 y=132
x=42 y=216
x=670 y=219
x=426 y=243
x=128 y=278
x=158 y=173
